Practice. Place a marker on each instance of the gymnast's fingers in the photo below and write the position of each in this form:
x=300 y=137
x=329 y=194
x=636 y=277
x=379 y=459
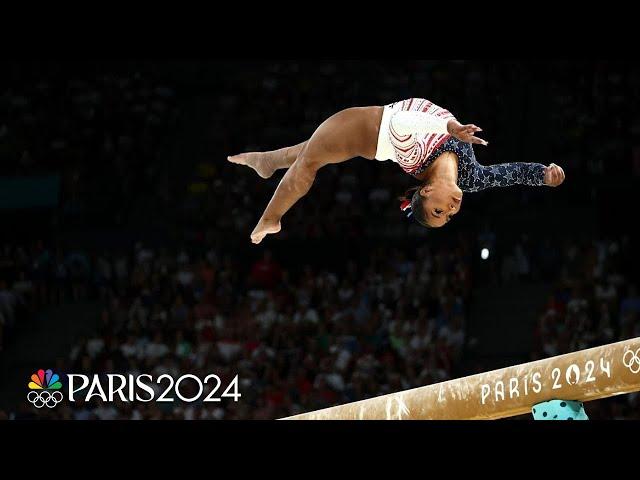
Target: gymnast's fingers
x=471 y=129
x=478 y=141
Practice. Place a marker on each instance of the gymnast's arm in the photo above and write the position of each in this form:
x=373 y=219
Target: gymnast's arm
x=518 y=173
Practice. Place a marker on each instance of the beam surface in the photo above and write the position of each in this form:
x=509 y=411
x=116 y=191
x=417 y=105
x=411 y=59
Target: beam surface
x=585 y=375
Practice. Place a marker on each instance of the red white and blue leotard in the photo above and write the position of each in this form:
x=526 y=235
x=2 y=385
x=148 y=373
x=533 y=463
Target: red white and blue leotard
x=413 y=133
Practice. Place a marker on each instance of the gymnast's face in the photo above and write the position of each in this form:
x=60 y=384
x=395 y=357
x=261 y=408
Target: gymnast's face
x=441 y=203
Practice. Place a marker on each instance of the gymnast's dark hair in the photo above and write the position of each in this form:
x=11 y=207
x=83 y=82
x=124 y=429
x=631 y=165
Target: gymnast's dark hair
x=411 y=204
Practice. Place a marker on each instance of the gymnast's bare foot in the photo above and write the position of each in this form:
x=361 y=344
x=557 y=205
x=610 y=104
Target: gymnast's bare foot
x=259 y=161
x=264 y=228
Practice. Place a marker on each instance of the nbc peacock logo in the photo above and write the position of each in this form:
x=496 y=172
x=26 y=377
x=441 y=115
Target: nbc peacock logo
x=45 y=389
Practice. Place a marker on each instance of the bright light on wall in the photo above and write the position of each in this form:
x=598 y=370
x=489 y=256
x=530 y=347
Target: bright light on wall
x=484 y=253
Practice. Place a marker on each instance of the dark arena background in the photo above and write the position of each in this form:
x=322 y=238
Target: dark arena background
x=125 y=242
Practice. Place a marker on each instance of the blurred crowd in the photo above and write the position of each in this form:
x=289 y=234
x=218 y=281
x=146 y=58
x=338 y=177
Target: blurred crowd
x=302 y=337
x=597 y=109
x=299 y=337
x=104 y=134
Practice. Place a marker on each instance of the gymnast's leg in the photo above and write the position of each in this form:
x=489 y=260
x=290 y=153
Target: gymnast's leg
x=265 y=163
x=347 y=134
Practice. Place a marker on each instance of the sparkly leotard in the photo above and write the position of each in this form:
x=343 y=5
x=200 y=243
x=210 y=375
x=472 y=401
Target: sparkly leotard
x=415 y=140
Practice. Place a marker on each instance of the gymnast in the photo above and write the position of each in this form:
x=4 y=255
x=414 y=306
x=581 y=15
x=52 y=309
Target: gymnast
x=424 y=139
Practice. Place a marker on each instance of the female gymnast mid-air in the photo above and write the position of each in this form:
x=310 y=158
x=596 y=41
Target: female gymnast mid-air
x=424 y=139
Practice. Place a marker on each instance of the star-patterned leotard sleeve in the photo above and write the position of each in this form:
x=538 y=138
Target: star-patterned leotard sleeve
x=473 y=177
x=502 y=175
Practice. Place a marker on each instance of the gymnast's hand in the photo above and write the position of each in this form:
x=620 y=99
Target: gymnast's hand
x=465 y=133
x=553 y=175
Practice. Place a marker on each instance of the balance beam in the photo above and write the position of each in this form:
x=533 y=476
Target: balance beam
x=585 y=375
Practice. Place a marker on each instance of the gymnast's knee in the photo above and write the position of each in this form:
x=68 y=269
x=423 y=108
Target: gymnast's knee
x=305 y=169
x=308 y=163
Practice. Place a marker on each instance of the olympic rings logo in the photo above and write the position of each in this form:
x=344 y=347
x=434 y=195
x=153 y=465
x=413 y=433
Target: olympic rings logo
x=631 y=360
x=40 y=399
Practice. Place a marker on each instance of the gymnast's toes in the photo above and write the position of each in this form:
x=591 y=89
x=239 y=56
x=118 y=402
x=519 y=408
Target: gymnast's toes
x=256 y=160
x=264 y=228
